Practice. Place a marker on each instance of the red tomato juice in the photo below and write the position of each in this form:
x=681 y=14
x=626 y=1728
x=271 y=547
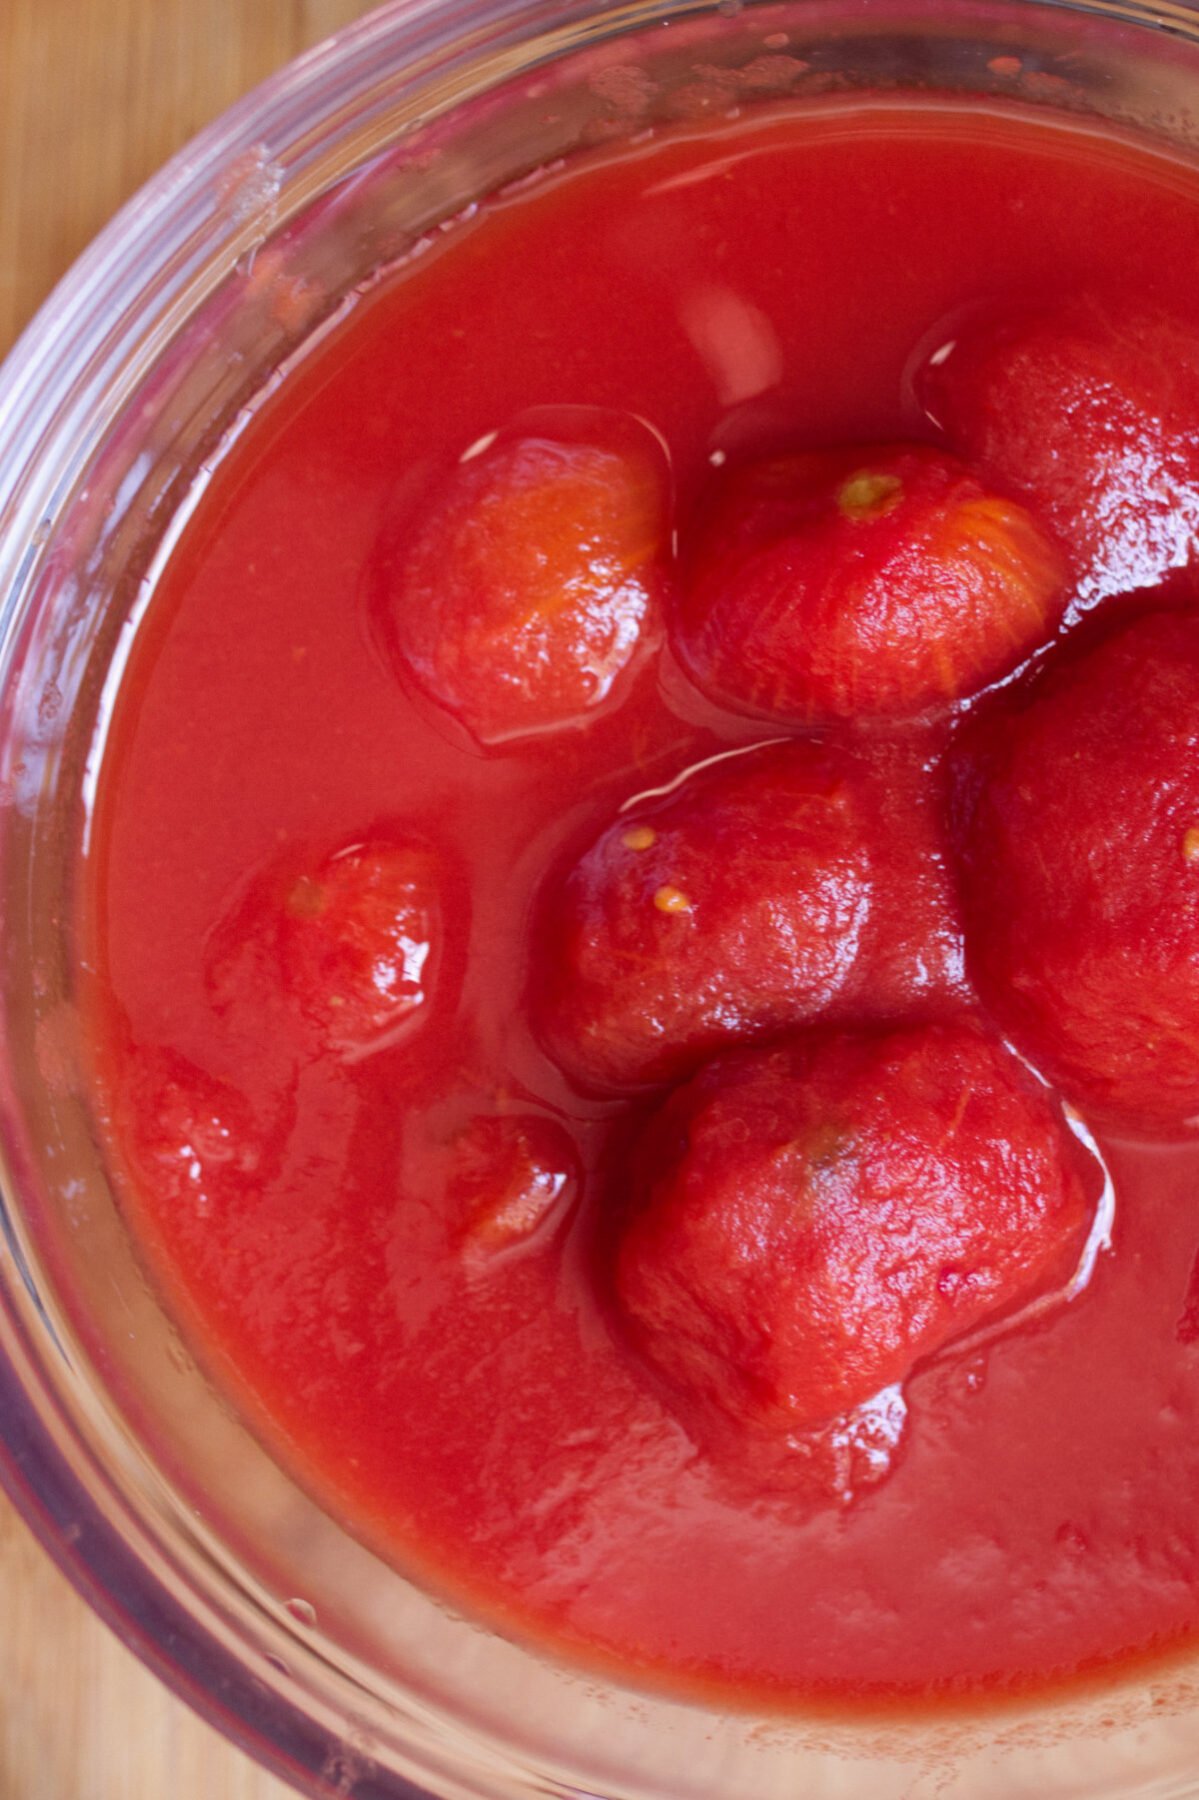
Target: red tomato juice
x=763 y=285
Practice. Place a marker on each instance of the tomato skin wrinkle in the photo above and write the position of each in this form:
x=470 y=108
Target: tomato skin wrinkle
x=874 y=581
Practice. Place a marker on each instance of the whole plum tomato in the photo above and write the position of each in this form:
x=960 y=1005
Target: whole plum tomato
x=359 y=940
x=816 y=1217
x=876 y=582
x=800 y=881
x=1091 y=413
x=1081 y=872
x=507 y=1178
x=193 y=1139
x=536 y=572
x=347 y=945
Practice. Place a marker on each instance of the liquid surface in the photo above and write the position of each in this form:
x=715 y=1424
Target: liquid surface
x=764 y=287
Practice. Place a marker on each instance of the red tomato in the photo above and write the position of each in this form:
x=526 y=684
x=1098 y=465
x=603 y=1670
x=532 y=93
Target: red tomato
x=508 y=1177
x=875 y=582
x=348 y=947
x=359 y=942
x=1090 y=413
x=535 y=577
x=1081 y=873
x=194 y=1139
x=819 y=1216
x=799 y=882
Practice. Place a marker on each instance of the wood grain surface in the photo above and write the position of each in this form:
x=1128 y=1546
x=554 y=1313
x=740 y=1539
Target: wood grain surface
x=94 y=95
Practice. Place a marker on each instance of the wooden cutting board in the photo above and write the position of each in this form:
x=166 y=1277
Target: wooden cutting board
x=94 y=95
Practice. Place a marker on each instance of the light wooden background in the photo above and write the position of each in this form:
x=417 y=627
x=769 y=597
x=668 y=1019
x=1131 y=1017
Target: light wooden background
x=94 y=95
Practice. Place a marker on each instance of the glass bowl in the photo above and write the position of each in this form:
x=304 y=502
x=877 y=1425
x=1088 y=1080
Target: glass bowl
x=229 y=1579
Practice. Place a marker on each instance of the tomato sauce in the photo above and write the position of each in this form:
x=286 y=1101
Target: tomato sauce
x=762 y=286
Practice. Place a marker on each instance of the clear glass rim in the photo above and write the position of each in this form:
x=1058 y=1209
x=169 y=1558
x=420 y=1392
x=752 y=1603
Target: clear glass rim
x=145 y=271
